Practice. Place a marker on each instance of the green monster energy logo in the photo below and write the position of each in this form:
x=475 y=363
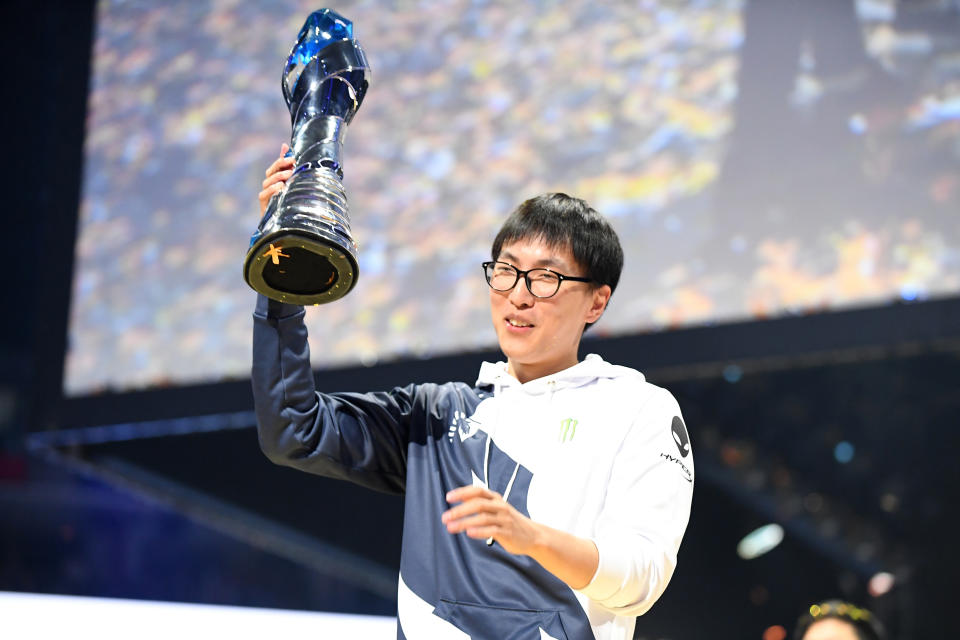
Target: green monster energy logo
x=568 y=428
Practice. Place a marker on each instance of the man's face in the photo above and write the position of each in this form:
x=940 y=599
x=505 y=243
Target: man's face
x=830 y=629
x=540 y=336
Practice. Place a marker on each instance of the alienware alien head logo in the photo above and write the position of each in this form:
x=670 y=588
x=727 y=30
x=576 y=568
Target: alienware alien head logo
x=680 y=436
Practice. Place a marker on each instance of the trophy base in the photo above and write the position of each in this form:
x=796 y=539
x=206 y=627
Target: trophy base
x=300 y=269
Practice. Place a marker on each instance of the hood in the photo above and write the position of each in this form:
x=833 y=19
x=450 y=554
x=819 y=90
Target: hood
x=592 y=368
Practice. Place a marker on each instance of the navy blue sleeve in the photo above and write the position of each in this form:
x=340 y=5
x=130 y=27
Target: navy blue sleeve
x=352 y=436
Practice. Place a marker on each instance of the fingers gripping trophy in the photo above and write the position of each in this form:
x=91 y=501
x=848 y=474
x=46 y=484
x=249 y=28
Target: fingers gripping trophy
x=302 y=251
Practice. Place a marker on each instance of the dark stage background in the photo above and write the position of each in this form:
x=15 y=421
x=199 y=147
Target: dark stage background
x=841 y=426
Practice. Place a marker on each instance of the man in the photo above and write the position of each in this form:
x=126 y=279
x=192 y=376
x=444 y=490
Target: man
x=546 y=501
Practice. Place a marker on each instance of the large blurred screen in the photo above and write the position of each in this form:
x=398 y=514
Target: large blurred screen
x=757 y=159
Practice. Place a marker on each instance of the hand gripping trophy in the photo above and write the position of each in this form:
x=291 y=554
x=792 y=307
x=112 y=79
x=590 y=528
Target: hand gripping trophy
x=302 y=251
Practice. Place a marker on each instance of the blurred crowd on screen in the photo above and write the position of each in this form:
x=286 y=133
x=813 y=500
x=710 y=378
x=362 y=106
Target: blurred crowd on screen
x=473 y=107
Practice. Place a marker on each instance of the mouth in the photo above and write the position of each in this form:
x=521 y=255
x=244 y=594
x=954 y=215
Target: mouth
x=518 y=324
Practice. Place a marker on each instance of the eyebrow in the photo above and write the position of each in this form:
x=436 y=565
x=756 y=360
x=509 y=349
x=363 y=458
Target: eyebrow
x=543 y=262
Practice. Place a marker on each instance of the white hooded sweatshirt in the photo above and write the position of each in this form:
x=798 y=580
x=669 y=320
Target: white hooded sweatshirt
x=611 y=461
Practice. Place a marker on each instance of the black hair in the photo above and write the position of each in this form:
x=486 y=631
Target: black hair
x=563 y=221
x=864 y=623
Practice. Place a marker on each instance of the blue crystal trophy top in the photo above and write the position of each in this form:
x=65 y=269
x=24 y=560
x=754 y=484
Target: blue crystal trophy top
x=302 y=251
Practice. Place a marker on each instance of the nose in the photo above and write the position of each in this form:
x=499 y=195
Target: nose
x=520 y=295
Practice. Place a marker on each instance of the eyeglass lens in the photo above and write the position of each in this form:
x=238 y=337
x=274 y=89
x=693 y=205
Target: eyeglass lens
x=540 y=282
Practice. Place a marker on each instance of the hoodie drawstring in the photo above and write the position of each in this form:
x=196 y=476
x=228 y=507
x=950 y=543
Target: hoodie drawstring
x=486 y=458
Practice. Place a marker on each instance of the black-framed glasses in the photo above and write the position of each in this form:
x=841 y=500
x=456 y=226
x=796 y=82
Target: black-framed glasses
x=542 y=283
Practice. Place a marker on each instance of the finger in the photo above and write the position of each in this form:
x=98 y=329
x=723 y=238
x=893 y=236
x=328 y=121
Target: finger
x=283 y=149
x=474 y=505
x=471 y=522
x=281 y=164
x=278 y=165
x=483 y=533
x=271 y=191
x=462 y=494
x=477 y=505
x=265 y=195
x=278 y=176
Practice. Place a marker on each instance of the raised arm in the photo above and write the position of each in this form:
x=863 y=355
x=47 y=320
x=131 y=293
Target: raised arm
x=357 y=437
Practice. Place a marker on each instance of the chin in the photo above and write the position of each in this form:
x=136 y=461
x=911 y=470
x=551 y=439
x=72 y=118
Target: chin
x=514 y=355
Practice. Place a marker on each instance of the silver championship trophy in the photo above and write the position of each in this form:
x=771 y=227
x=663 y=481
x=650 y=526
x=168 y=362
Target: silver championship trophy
x=302 y=251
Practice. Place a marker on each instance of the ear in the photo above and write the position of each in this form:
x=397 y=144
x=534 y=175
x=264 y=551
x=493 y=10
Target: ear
x=601 y=295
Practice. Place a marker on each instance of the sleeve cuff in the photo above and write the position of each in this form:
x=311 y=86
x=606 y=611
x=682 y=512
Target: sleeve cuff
x=275 y=309
x=611 y=569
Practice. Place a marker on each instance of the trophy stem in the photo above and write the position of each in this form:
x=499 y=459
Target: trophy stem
x=318 y=142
